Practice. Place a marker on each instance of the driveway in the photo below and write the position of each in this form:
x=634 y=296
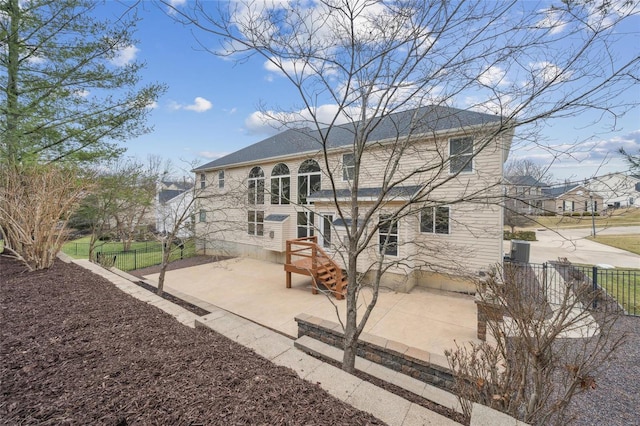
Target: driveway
x=254 y=289
x=572 y=244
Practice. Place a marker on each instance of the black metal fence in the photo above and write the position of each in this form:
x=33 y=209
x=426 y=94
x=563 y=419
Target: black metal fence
x=610 y=289
x=130 y=260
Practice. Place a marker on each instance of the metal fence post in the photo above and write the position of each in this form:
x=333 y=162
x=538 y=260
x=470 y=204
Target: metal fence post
x=594 y=280
x=544 y=279
x=135 y=259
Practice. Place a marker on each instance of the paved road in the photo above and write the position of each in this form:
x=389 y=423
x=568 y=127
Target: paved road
x=572 y=244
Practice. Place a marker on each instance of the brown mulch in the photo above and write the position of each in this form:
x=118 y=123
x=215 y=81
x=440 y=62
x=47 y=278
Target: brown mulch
x=76 y=350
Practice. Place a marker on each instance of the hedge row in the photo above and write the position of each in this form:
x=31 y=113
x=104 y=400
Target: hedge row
x=520 y=235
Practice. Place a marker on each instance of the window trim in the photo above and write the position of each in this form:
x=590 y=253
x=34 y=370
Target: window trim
x=348 y=167
x=202 y=216
x=258 y=225
x=255 y=186
x=220 y=179
x=453 y=156
x=203 y=180
x=308 y=176
x=434 y=220
x=280 y=197
x=387 y=235
x=309 y=226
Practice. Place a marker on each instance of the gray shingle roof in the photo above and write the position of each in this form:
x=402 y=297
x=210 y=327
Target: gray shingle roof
x=558 y=190
x=276 y=218
x=296 y=141
x=525 y=181
x=168 y=194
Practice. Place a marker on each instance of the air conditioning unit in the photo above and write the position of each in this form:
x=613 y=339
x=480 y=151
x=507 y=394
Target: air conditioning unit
x=520 y=251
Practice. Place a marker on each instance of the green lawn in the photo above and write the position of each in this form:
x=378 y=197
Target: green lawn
x=619 y=217
x=623 y=284
x=624 y=242
x=141 y=254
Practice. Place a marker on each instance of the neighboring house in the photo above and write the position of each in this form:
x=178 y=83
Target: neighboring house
x=524 y=194
x=173 y=204
x=616 y=189
x=283 y=192
x=571 y=198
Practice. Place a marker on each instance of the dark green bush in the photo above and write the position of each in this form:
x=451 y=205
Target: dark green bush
x=520 y=235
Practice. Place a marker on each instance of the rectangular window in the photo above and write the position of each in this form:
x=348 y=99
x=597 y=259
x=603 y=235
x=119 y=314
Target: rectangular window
x=388 y=234
x=461 y=155
x=280 y=190
x=325 y=231
x=221 y=179
x=255 y=222
x=306 y=224
x=203 y=180
x=256 y=191
x=434 y=220
x=348 y=167
x=202 y=216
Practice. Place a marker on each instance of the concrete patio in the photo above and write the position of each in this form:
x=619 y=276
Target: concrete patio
x=425 y=319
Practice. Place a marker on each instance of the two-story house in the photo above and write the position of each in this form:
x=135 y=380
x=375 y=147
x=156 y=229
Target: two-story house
x=436 y=170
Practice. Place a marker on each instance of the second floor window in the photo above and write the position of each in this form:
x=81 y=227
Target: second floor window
x=348 y=167
x=221 y=179
x=203 y=180
x=280 y=184
x=256 y=186
x=461 y=155
x=308 y=180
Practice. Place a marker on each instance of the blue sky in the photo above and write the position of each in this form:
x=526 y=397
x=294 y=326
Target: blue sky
x=210 y=106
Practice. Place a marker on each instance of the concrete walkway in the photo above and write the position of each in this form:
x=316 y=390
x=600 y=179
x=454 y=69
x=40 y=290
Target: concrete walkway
x=572 y=244
x=429 y=320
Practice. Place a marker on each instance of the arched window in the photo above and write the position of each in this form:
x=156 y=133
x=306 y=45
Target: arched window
x=308 y=183
x=256 y=186
x=308 y=180
x=280 y=184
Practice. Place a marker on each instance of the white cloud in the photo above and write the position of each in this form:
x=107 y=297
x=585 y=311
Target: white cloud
x=152 y=105
x=36 y=60
x=552 y=20
x=271 y=122
x=199 y=104
x=125 y=55
x=493 y=76
x=212 y=155
x=546 y=72
x=82 y=93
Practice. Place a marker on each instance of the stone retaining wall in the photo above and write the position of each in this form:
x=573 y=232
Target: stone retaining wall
x=422 y=365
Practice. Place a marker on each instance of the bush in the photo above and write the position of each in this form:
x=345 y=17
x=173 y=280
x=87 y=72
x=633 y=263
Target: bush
x=520 y=235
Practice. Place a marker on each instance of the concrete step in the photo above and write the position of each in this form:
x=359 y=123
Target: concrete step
x=324 y=351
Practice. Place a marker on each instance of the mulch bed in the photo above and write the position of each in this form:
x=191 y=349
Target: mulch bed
x=76 y=350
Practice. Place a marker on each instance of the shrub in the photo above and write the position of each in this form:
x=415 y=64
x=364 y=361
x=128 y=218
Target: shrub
x=520 y=235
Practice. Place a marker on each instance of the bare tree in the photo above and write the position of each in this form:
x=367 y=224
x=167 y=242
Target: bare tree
x=354 y=64
x=180 y=215
x=545 y=345
x=525 y=167
x=35 y=204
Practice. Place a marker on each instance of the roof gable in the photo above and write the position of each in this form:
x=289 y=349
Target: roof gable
x=412 y=122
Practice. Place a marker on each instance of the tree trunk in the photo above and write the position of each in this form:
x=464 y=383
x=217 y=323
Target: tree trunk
x=351 y=327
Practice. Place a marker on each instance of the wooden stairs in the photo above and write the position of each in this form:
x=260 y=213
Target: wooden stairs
x=306 y=257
